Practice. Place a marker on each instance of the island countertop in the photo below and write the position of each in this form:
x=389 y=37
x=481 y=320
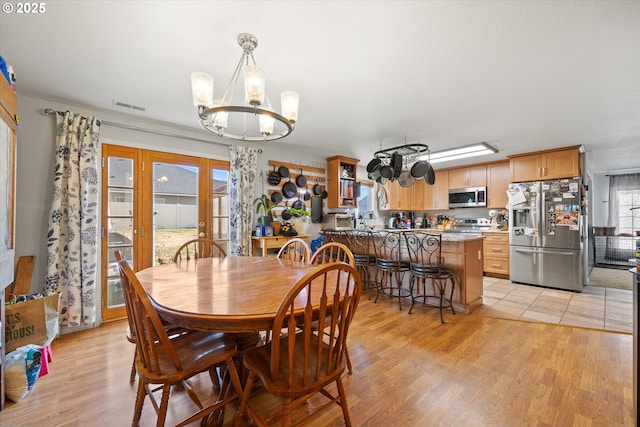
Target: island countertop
x=463 y=253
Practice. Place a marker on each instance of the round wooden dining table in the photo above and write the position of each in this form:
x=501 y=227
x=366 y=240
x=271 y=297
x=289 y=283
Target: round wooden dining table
x=231 y=294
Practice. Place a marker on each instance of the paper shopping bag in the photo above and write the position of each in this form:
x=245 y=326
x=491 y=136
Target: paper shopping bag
x=32 y=322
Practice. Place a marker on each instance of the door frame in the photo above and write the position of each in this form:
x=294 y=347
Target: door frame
x=143 y=160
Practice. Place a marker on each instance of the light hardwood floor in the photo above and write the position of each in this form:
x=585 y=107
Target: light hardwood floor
x=409 y=370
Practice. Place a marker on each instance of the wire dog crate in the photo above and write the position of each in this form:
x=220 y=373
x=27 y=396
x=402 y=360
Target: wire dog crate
x=614 y=250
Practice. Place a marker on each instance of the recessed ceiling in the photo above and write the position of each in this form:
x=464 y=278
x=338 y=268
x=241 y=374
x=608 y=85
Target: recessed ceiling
x=521 y=76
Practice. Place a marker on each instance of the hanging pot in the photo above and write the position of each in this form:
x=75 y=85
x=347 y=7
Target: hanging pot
x=306 y=196
x=289 y=190
x=419 y=169
x=297 y=204
x=375 y=172
x=276 y=197
x=396 y=163
x=406 y=179
x=430 y=176
x=301 y=180
x=283 y=171
x=324 y=194
x=386 y=171
x=285 y=213
x=372 y=164
x=317 y=189
x=274 y=177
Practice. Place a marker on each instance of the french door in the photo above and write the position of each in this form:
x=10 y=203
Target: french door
x=152 y=203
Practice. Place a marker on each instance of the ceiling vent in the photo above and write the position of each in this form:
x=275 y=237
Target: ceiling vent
x=129 y=106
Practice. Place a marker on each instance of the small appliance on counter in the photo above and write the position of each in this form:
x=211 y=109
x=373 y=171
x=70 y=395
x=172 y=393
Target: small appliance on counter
x=339 y=221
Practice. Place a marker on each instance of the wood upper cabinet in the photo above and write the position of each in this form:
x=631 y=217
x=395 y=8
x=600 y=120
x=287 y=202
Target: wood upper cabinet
x=410 y=198
x=497 y=183
x=551 y=164
x=470 y=176
x=341 y=180
x=399 y=197
x=436 y=196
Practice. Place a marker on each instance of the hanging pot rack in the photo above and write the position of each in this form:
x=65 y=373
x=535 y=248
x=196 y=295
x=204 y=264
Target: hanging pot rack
x=410 y=151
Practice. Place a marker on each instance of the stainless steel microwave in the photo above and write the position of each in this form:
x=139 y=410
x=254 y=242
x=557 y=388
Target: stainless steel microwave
x=468 y=197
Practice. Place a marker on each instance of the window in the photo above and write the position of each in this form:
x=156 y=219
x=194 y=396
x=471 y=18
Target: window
x=624 y=203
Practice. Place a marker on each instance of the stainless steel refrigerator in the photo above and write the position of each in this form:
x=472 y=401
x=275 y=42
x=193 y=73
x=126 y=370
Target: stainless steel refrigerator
x=547 y=233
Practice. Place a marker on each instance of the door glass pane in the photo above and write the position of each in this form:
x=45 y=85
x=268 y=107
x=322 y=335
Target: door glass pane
x=175 y=208
x=120 y=172
x=220 y=207
x=119 y=223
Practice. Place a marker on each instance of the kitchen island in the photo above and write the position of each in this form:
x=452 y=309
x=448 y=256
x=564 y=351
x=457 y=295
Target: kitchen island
x=462 y=252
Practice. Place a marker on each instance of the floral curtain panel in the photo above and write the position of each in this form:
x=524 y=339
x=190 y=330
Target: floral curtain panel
x=73 y=221
x=242 y=175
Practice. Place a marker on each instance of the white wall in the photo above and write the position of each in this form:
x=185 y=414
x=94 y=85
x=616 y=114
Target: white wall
x=35 y=154
x=600 y=208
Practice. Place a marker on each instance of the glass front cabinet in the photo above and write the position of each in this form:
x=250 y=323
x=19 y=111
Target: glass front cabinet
x=341 y=182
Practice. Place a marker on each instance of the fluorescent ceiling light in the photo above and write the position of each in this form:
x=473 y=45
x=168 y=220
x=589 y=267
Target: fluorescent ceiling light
x=461 y=153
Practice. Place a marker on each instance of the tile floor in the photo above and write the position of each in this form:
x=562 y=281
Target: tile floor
x=596 y=307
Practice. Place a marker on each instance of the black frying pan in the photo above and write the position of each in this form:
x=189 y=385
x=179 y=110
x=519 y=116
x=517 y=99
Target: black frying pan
x=317 y=189
x=276 y=197
x=419 y=169
x=283 y=171
x=306 y=196
x=430 y=177
x=297 y=204
x=396 y=164
x=274 y=177
x=285 y=213
x=324 y=194
x=372 y=164
x=301 y=180
x=289 y=190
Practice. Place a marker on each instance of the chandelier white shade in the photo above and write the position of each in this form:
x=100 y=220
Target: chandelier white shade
x=255 y=119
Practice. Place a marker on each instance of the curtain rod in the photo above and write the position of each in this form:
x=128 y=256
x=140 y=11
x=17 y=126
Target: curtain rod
x=52 y=112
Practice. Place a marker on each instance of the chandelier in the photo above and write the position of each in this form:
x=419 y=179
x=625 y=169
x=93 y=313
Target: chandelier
x=256 y=119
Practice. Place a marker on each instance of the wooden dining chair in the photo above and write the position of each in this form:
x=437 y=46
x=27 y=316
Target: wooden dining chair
x=165 y=361
x=302 y=362
x=199 y=248
x=335 y=252
x=129 y=332
x=295 y=249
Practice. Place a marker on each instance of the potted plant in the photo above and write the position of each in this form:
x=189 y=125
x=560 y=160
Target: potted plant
x=263 y=204
x=298 y=219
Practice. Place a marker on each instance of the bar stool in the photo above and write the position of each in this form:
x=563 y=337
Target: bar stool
x=359 y=241
x=390 y=264
x=426 y=264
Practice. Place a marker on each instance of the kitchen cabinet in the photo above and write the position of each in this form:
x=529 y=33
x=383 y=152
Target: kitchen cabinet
x=496 y=254
x=470 y=176
x=341 y=181
x=8 y=125
x=543 y=165
x=406 y=198
x=497 y=183
x=465 y=259
x=436 y=196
